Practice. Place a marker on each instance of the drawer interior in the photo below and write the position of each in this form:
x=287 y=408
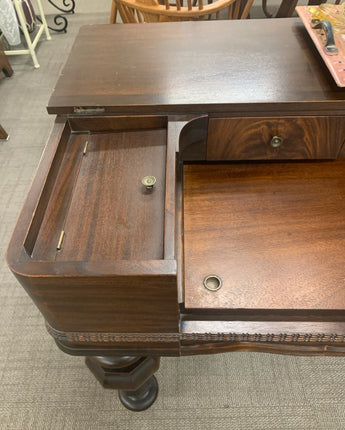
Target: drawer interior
x=94 y=206
x=270 y=236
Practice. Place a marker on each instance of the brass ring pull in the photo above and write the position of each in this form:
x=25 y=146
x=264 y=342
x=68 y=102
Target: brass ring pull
x=276 y=141
x=212 y=282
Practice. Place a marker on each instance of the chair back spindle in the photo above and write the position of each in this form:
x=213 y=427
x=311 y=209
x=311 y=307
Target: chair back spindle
x=139 y=11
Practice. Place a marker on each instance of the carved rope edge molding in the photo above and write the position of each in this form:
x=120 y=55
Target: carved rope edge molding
x=102 y=337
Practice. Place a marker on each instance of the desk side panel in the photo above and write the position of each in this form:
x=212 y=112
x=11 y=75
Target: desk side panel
x=140 y=298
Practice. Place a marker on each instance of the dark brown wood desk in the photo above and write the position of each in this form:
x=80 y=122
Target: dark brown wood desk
x=240 y=243
x=5 y=67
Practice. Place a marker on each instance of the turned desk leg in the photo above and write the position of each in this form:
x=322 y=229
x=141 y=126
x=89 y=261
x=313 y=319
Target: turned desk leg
x=7 y=69
x=131 y=376
x=5 y=65
x=3 y=134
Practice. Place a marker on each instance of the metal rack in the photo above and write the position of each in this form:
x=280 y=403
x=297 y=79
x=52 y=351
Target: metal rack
x=31 y=43
x=60 y=21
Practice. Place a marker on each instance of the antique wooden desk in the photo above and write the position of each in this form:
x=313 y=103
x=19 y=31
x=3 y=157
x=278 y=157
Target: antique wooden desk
x=240 y=243
x=6 y=68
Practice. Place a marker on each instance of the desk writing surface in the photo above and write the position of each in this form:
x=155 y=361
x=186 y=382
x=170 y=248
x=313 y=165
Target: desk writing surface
x=273 y=232
x=247 y=65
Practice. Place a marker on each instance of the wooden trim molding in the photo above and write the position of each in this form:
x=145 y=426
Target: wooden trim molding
x=105 y=337
x=284 y=338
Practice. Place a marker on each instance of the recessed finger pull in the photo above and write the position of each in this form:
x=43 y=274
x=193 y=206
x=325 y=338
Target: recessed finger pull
x=149 y=182
x=212 y=282
x=276 y=141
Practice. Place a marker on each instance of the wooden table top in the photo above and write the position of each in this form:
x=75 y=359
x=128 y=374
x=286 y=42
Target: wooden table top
x=223 y=66
x=273 y=232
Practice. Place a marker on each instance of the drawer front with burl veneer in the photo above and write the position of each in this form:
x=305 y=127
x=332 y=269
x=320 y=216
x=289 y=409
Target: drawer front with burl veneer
x=282 y=138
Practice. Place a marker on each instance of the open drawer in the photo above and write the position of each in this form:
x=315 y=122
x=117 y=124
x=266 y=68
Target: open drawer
x=265 y=239
x=89 y=243
x=94 y=206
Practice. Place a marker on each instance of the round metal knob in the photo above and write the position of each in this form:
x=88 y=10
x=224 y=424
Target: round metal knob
x=276 y=141
x=149 y=182
x=212 y=282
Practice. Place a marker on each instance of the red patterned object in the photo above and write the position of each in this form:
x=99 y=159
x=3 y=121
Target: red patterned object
x=334 y=63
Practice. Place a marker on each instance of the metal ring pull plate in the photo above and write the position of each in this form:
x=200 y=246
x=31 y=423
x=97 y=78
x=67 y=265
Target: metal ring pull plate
x=212 y=282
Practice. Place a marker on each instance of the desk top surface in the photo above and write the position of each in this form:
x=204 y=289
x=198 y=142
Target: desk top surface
x=211 y=67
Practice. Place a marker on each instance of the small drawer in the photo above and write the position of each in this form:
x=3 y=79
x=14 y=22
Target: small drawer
x=275 y=138
x=98 y=207
x=89 y=245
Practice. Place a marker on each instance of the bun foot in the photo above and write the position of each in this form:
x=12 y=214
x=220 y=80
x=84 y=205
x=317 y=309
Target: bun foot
x=141 y=398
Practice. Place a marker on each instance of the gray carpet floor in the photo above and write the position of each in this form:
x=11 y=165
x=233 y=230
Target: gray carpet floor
x=42 y=388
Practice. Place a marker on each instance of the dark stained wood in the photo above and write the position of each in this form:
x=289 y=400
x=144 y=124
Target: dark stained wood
x=25 y=232
x=99 y=124
x=274 y=233
x=5 y=66
x=3 y=133
x=287 y=8
x=193 y=139
x=50 y=212
x=250 y=138
x=111 y=215
x=291 y=348
x=72 y=188
x=227 y=71
x=278 y=337
x=87 y=301
x=342 y=151
x=101 y=271
x=128 y=278
x=174 y=128
x=129 y=373
x=8 y=71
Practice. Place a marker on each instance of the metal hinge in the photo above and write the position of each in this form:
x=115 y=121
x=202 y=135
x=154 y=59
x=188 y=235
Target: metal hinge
x=89 y=110
x=85 y=147
x=62 y=236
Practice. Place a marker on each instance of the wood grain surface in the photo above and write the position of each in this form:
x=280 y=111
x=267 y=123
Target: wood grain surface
x=133 y=69
x=251 y=138
x=3 y=133
x=5 y=65
x=274 y=233
x=99 y=202
x=111 y=216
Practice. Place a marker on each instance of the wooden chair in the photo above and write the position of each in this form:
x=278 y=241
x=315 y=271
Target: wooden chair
x=139 y=11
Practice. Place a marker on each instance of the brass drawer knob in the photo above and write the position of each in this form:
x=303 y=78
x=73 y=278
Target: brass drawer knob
x=276 y=141
x=149 y=182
